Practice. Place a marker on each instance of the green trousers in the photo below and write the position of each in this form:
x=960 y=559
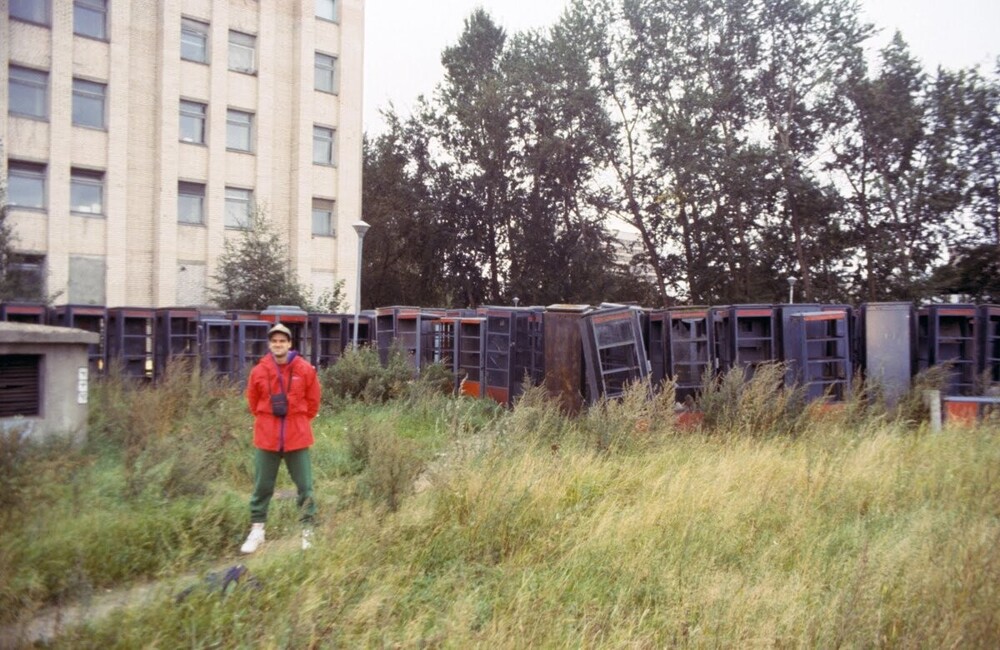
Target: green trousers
x=266 y=464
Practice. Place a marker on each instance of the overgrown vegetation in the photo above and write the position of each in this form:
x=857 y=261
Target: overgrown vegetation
x=447 y=521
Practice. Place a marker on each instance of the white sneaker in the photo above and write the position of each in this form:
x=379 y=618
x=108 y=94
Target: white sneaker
x=307 y=539
x=254 y=539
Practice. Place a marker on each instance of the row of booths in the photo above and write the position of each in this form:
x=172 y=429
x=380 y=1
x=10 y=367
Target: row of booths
x=580 y=352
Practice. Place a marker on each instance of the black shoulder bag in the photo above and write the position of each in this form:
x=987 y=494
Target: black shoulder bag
x=279 y=401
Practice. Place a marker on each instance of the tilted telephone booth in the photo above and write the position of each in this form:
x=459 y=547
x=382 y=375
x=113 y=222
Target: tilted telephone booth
x=613 y=351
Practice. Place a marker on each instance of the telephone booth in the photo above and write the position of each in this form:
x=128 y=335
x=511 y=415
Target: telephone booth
x=328 y=335
x=656 y=346
x=130 y=340
x=818 y=351
x=408 y=327
x=175 y=337
x=469 y=354
x=250 y=345
x=790 y=335
x=745 y=336
x=514 y=349
x=529 y=348
x=365 y=322
x=243 y=314
x=946 y=334
x=888 y=349
x=215 y=344
x=295 y=319
x=91 y=318
x=613 y=351
x=23 y=312
x=386 y=330
x=691 y=344
x=989 y=348
x=564 y=379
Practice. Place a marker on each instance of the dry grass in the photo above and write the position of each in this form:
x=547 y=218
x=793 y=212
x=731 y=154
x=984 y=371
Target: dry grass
x=850 y=528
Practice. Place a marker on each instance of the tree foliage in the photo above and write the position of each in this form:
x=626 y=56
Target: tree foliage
x=254 y=271
x=744 y=141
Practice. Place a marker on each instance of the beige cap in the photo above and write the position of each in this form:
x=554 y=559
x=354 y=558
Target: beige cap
x=278 y=328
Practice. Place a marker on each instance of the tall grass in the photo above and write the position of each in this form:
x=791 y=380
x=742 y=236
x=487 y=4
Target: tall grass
x=620 y=529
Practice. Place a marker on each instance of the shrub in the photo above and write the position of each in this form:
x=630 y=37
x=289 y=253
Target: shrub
x=390 y=463
x=759 y=406
x=174 y=436
x=912 y=408
x=633 y=422
x=360 y=375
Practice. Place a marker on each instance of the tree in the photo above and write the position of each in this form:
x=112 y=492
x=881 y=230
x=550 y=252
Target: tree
x=408 y=246
x=981 y=153
x=255 y=271
x=472 y=126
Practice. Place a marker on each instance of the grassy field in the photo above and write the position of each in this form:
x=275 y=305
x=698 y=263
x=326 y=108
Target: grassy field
x=447 y=522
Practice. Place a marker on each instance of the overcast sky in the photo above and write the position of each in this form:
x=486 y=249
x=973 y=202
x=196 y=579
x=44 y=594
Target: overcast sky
x=404 y=39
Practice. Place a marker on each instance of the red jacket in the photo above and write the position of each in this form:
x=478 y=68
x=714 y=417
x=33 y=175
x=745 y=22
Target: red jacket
x=294 y=431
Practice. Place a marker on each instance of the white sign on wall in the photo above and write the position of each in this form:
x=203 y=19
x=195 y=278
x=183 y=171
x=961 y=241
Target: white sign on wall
x=81 y=385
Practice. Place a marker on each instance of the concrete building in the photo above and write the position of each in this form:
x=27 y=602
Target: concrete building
x=137 y=136
x=44 y=380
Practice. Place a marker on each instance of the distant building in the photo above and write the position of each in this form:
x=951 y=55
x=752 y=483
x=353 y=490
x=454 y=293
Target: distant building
x=628 y=244
x=137 y=135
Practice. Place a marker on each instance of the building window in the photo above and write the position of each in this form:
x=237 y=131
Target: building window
x=32 y=11
x=86 y=191
x=90 y=18
x=26 y=185
x=29 y=90
x=326 y=73
x=20 y=385
x=322 y=218
x=323 y=146
x=326 y=9
x=239 y=130
x=26 y=276
x=238 y=206
x=190 y=202
x=242 y=52
x=193 y=122
x=88 y=103
x=194 y=40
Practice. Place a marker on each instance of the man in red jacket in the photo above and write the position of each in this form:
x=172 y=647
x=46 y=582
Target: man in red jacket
x=283 y=393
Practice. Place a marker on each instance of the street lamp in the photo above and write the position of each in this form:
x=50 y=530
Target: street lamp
x=361 y=228
x=791 y=289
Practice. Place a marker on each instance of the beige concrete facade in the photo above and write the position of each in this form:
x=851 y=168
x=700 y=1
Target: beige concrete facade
x=148 y=257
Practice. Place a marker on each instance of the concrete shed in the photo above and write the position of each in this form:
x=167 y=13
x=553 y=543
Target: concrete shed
x=44 y=379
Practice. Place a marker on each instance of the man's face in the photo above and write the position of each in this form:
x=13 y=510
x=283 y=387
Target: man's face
x=279 y=345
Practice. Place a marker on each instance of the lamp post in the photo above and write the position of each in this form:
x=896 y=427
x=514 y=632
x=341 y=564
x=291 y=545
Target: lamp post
x=791 y=289
x=361 y=228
